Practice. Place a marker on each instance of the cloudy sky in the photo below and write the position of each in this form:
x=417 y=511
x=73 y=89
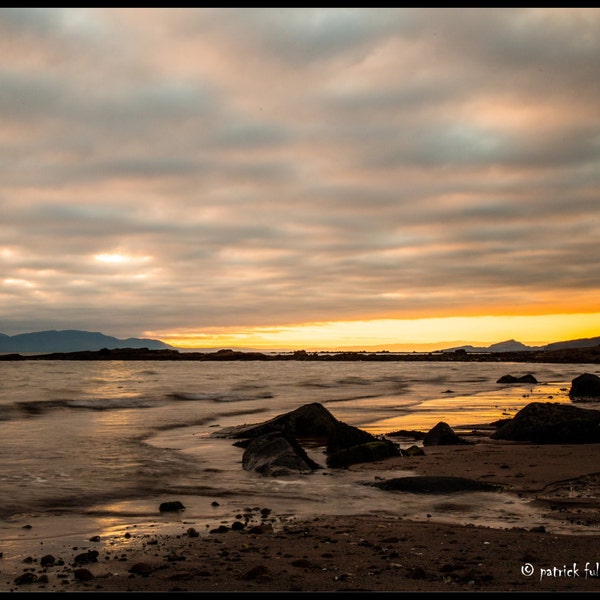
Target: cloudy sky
x=301 y=177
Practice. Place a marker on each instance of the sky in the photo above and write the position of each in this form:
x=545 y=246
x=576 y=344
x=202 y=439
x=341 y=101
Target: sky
x=301 y=178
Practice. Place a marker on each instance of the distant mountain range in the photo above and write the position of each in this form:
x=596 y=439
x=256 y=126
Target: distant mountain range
x=514 y=346
x=72 y=340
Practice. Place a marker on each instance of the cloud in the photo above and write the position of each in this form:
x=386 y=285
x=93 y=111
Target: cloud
x=281 y=166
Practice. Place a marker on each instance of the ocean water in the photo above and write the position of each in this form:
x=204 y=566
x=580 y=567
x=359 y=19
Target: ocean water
x=99 y=445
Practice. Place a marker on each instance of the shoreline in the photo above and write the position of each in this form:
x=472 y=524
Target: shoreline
x=583 y=355
x=370 y=552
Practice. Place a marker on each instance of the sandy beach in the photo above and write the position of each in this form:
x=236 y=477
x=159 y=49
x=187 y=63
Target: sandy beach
x=371 y=552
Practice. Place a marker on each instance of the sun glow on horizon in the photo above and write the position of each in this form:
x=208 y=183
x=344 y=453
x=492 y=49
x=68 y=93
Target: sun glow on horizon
x=434 y=333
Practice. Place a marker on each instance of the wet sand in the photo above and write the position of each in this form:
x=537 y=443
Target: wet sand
x=371 y=552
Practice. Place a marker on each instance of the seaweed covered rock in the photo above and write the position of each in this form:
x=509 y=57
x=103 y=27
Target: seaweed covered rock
x=552 y=423
x=277 y=454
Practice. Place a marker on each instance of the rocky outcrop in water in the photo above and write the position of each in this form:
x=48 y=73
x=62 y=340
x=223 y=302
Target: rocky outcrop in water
x=275 y=446
x=529 y=378
x=552 y=423
x=585 y=387
x=312 y=423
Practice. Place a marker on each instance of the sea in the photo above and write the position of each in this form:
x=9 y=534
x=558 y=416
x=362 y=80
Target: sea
x=97 y=446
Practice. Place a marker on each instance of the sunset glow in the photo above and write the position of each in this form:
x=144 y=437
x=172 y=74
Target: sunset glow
x=400 y=335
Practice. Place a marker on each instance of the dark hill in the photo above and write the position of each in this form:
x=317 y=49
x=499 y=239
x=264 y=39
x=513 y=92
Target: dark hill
x=72 y=340
x=514 y=346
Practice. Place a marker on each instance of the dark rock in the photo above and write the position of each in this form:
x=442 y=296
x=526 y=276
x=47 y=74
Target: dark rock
x=311 y=422
x=529 y=378
x=83 y=575
x=257 y=573
x=191 y=532
x=220 y=529
x=410 y=433
x=47 y=561
x=277 y=454
x=442 y=435
x=413 y=451
x=435 y=485
x=87 y=557
x=552 y=423
x=303 y=563
x=262 y=528
x=369 y=452
x=171 y=506
x=417 y=573
x=26 y=578
x=141 y=568
x=585 y=387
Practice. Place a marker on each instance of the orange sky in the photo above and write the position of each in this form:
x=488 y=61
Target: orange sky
x=402 y=335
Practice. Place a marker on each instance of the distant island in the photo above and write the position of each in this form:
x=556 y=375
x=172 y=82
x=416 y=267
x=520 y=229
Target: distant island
x=72 y=340
x=514 y=346
x=84 y=345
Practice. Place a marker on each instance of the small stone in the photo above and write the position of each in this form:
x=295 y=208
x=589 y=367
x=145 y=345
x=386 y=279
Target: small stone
x=259 y=572
x=142 y=568
x=83 y=575
x=47 y=561
x=417 y=573
x=26 y=578
x=171 y=506
x=87 y=557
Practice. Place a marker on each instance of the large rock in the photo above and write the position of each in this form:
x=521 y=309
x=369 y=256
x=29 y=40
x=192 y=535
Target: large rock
x=312 y=423
x=276 y=454
x=585 y=387
x=552 y=423
x=442 y=435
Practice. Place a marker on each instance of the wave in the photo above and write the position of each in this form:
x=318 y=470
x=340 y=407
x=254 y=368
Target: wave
x=220 y=396
x=39 y=407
